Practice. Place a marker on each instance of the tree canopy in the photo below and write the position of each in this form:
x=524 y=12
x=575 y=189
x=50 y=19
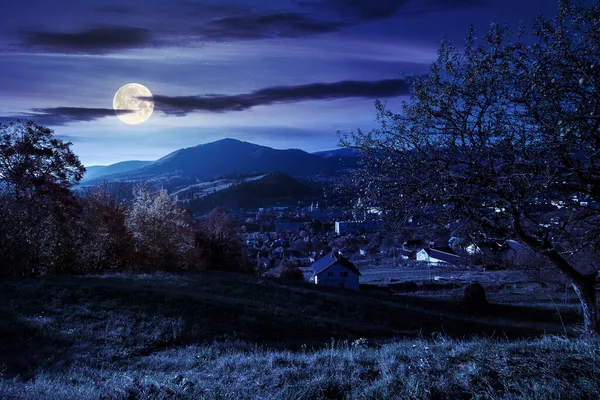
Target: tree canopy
x=37 y=207
x=502 y=137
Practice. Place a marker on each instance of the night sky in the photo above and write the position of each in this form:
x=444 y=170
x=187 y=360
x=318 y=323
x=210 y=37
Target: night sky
x=280 y=73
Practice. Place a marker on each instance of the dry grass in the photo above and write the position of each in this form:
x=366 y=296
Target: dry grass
x=217 y=335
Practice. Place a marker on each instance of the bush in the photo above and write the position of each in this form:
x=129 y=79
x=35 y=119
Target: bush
x=474 y=298
x=105 y=242
x=162 y=234
x=287 y=270
x=217 y=246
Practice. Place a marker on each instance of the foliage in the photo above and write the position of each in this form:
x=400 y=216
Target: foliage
x=37 y=208
x=161 y=231
x=287 y=270
x=46 y=228
x=105 y=243
x=217 y=246
x=502 y=138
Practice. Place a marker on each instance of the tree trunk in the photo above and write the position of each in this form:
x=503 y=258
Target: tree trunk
x=584 y=287
x=587 y=296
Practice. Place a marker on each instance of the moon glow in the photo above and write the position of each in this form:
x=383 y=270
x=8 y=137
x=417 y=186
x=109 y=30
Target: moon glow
x=134 y=109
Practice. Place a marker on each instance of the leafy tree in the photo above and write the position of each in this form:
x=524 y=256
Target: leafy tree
x=33 y=163
x=502 y=138
x=217 y=245
x=37 y=208
x=161 y=231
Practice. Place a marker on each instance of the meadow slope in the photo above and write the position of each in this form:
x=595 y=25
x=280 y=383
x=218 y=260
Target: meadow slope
x=219 y=335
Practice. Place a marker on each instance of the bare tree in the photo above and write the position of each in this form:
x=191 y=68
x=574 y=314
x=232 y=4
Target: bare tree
x=105 y=243
x=502 y=138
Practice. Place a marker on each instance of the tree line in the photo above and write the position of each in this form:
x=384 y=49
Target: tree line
x=46 y=227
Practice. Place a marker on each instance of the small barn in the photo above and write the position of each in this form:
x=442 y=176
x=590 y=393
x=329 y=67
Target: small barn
x=335 y=270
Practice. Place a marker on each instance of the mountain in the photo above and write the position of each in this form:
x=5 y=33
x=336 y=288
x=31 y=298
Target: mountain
x=232 y=157
x=97 y=171
x=272 y=188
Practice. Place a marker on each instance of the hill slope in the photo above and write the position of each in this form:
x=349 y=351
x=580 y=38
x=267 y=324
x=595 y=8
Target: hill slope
x=268 y=190
x=216 y=335
x=98 y=171
x=234 y=157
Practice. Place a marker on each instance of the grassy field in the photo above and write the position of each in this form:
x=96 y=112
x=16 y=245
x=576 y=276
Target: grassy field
x=217 y=335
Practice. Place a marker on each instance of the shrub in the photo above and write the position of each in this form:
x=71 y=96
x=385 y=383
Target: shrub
x=474 y=297
x=162 y=234
x=287 y=270
x=217 y=246
x=105 y=242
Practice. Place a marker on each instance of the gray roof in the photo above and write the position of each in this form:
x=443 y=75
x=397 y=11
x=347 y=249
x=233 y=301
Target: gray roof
x=443 y=256
x=331 y=259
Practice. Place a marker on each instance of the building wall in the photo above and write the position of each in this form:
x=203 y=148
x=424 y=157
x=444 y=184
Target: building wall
x=351 y=282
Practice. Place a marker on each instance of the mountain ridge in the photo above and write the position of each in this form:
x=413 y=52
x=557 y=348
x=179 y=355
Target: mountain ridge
x=97 y=171
x=230 y=156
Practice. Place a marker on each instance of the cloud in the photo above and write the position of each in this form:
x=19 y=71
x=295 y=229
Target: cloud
x=373 y=10
x=92 y=41
x=57 y=116
x=182 y=105
x=217 y=21
x=112 y=39
x=277 y=25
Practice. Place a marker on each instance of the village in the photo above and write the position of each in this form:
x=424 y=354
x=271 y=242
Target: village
x=340 y=247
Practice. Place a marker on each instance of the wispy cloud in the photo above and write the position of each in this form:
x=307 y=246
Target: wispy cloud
x=277 y=25
x=182 y=105
x=373 y=10
x=226 y=22
x=91 y=41
x=56 y=116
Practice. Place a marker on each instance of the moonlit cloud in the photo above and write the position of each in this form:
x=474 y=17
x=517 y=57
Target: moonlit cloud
x=57 y=116
x=182 y=105
x=283 y=73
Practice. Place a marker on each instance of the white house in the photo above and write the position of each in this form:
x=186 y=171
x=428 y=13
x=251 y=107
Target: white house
x=434 y=256
x=335 y=270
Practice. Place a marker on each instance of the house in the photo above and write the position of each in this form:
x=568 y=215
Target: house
x=435 y=256
x=335 y=270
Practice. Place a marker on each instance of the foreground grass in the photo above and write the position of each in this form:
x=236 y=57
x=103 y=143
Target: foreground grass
x=545 y=368
x=215 y=335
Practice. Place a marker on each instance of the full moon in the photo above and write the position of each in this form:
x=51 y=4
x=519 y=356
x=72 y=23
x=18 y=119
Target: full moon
x=136 y=110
